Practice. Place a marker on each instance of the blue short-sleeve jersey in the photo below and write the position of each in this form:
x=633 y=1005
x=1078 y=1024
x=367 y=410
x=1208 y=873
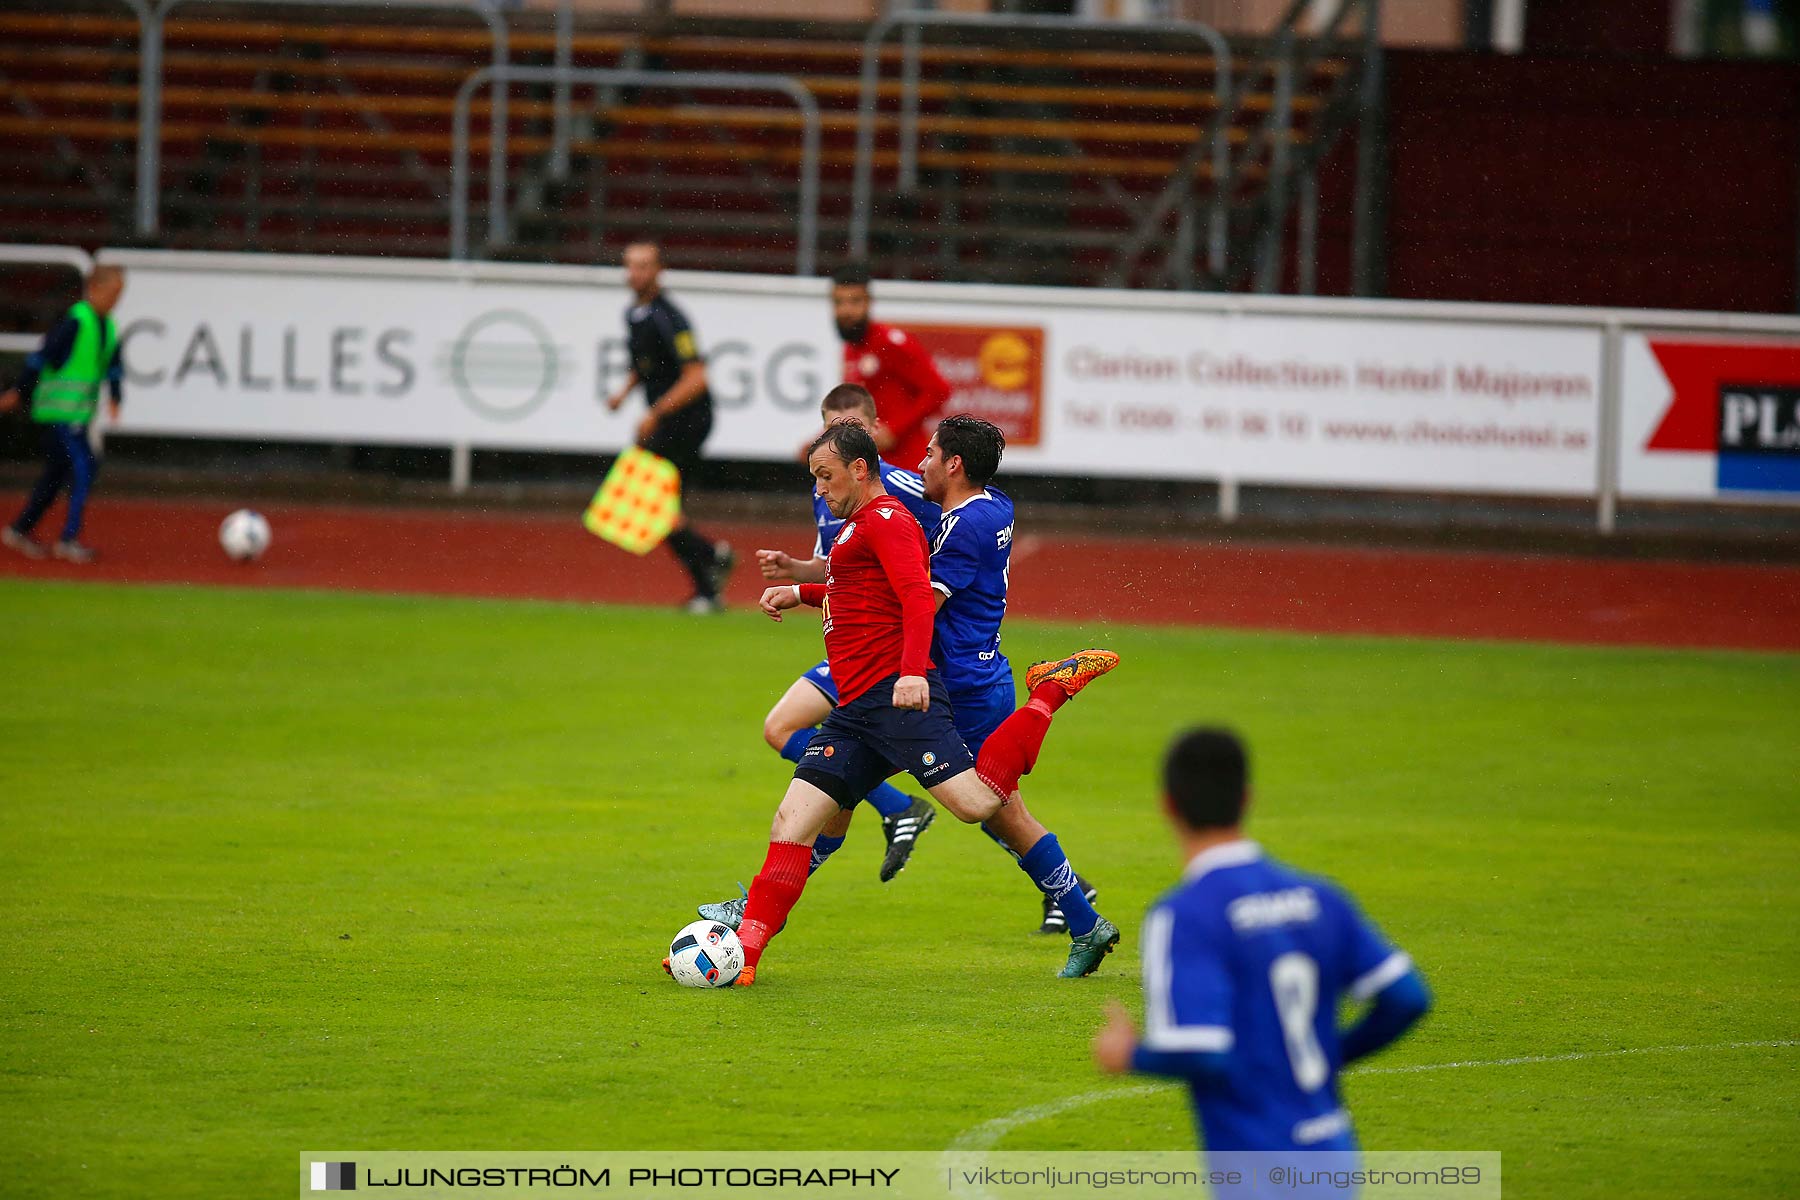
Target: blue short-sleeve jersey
x=905 y=486
x=971 y=556
x=1250 y=957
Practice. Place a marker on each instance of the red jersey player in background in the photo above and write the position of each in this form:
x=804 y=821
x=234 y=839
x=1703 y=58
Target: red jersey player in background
x=909 y=393
x=893 y=712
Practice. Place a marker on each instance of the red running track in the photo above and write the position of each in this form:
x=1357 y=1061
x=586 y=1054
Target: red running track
x=1077 y=577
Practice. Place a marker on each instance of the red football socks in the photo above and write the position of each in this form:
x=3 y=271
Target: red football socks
x=773 y=894
x=1012 y=750
x=1050 y=695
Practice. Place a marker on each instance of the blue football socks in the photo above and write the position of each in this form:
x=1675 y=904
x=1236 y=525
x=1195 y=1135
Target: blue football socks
x=1049 y=868
x=998 y=841
x=889 y=800
x=823 y=847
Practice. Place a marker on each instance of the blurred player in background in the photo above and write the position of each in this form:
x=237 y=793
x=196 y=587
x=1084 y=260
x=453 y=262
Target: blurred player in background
x=1244 y=965
x=791 y=724
x=909 y=392
x=666 y=360
x=893 y=712
x=61 y=384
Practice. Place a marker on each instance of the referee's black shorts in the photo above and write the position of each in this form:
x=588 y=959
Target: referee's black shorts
x=679 y=436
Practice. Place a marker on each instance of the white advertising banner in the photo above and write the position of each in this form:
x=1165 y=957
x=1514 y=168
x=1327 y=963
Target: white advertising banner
x=225 y=346
x=1156 y=385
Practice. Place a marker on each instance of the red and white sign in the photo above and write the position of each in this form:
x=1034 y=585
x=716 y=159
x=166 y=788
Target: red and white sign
x=1674 y=387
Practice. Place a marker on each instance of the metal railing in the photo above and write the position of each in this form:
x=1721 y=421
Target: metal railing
x=913 y=22
x=73 y=257
x=152 y=15
x=806 y=217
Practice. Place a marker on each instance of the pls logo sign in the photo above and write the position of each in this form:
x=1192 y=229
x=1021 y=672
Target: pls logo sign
x=1738 y=401
x=994 y=373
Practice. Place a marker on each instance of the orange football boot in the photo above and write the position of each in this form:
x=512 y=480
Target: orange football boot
x=1072 y=673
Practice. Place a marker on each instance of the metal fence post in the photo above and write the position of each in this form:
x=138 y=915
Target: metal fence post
x=1606 y=486
x=1366 y=251
x=1268 y=266
x=565 y=54
x=149 y=147
x=462 y=461
x=909 y=108
x=1308 y=219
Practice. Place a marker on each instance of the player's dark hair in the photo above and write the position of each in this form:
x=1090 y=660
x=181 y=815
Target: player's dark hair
x=851 y=274
x=977 y=442
x=848 y=397
x=1207 y=776
x=849 y=441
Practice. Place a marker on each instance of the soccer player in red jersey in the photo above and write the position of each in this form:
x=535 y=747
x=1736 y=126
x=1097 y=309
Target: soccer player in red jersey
x=893 y=711
x=909 y=393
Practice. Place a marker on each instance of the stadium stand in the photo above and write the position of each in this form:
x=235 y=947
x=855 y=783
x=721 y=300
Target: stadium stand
x=292 y=135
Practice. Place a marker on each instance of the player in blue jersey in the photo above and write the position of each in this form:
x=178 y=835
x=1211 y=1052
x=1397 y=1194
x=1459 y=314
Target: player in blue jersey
x=971 y=569
x=1244 y=965
x=791 y=724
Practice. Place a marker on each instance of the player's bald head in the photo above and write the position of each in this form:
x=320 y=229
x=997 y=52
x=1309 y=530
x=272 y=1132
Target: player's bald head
x=104 y=285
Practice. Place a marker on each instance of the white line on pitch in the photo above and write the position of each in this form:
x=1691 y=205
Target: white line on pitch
x=985 y=1135
x=1575 y=1057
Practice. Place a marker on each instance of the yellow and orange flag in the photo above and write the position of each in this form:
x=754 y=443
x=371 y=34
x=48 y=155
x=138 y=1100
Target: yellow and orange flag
x=638 y=503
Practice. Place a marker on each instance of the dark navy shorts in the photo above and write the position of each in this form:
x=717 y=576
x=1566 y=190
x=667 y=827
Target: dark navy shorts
x=865 y=741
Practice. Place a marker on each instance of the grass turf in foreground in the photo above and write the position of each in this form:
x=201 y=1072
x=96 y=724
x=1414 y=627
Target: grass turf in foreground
x=293 y=870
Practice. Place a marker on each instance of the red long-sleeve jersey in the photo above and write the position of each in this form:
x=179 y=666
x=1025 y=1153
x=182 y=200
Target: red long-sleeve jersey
x=877 y=598
x=907 y=387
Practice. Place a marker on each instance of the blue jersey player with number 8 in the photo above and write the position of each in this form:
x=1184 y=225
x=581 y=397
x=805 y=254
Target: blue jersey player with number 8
x=1244 y=965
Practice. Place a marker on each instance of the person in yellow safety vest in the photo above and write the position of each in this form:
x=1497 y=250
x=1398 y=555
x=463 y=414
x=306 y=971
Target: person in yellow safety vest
x=61 y=383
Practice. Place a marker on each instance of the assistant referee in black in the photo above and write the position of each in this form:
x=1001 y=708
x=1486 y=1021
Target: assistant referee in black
x=667 y=362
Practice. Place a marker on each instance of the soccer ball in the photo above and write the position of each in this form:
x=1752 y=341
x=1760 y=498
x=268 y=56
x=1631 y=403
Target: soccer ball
x=244 y=535
x=706 y=954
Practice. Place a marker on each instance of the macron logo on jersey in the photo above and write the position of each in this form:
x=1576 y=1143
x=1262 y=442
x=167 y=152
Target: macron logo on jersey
x=1267 y=910
x=887 y=514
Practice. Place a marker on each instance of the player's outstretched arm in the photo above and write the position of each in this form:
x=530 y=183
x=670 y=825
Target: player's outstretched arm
x=1117 y=1050
x=1396 y=1009
x=777 y=565
x=776 y=600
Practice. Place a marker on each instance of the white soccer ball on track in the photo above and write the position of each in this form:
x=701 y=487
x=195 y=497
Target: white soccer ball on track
x=244 y=535
x=706 y=954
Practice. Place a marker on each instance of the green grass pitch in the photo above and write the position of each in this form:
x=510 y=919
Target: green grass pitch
x=285 y=871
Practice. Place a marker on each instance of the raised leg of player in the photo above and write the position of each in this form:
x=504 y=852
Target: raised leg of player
x=1012 y=750
x=968 y=798
x=1042 y=859
x=805 y=812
